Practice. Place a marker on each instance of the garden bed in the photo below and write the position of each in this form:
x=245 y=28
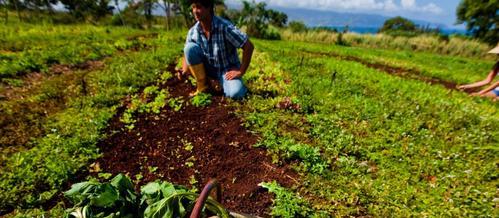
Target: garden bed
x=192 y=145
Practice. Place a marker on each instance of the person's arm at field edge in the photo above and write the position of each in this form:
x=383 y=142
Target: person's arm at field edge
x=488 y=89
x=486 y=81
x=247 y=53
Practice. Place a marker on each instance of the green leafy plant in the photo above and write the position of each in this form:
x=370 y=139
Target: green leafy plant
x=201 y=100
x=165 y=76
x=151 y=101
x=94 y=199
x=175 y=103
x=188 y=146
x=117 y=198
x=287 y=203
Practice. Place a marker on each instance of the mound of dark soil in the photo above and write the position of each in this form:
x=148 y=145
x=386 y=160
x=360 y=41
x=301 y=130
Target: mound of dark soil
x=191 y=146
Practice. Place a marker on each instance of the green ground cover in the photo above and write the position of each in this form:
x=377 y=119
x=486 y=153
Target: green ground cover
x=368 y=143
x=449 y=68
x=31 y=177
x=28 y=48
x=364 y=142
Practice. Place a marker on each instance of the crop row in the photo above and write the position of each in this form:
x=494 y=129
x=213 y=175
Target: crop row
x=29 y=48
x=368 y=143
x=449 y=68
x=23 y=36
x=33 y=177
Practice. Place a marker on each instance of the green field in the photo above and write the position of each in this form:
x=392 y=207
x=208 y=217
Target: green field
x=51 y=126
x=364 y=142
x=373 y=144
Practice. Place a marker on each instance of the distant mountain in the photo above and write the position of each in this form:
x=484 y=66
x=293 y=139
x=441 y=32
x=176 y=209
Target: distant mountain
x=315 y=18
x=356 y=22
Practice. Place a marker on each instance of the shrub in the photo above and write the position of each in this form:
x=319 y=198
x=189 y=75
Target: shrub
x=297 y=26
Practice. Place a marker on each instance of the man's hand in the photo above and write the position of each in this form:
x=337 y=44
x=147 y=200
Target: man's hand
x=233 y=74
x=181 y=74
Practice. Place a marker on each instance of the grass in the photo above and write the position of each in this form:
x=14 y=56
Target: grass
x=368 y=143
x=453 y=45
x=365 y=143
x=449 y=68
x=26 y=48
x=34 y=176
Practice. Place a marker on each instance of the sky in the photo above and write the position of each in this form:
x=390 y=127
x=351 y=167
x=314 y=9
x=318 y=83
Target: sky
x=435 y=11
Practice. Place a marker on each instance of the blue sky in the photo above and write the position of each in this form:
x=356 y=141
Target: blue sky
x=436 y=11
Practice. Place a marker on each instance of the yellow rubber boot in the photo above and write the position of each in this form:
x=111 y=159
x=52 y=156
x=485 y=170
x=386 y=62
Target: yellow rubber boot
x=199 y=74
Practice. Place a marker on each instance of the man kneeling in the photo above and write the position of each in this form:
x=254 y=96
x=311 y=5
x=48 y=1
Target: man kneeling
x=211 y=50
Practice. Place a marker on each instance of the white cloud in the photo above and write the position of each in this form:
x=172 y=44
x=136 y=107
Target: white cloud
x=411 y=5
x=355 y=5
x=390 y=6
x=432 y=8
x=407 y=4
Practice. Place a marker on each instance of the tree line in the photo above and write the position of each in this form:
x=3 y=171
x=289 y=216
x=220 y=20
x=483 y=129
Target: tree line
x=94 y=10
x=256 y=18
x=481 y=17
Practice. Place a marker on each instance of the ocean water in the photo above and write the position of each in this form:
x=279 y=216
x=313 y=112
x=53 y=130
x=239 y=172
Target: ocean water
x=373 y=30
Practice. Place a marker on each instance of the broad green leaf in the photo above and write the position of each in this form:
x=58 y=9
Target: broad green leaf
x=106 y=198
x=122 y=182
x=168 y=189
x=77 y=188
x=150 y=189
x=77 y=192
x=125 y=187
x=160 y=209
x=150 y=193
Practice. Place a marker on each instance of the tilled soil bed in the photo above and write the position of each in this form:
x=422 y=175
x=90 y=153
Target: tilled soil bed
x=191 y=146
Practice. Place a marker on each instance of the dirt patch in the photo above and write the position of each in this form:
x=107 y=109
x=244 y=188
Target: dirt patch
x=138 y=44
x=287 y=104
x=8 y=52
x=143 y=36
x=24 y=117
x=90 y=65
x=191 y=146
x=398 y=71
x=24 y=114
x=33 y=80
x=408 y=73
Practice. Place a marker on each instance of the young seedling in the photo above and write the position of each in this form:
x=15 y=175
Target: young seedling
x=201 y=100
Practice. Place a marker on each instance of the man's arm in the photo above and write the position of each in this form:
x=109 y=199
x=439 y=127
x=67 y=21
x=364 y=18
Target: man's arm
x=247 y=54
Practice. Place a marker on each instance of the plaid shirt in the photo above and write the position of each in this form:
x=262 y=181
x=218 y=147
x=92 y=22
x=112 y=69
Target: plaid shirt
x=220 y=50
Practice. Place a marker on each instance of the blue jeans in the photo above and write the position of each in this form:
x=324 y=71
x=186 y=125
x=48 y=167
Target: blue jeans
x=232 y=88
x=496 y=91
